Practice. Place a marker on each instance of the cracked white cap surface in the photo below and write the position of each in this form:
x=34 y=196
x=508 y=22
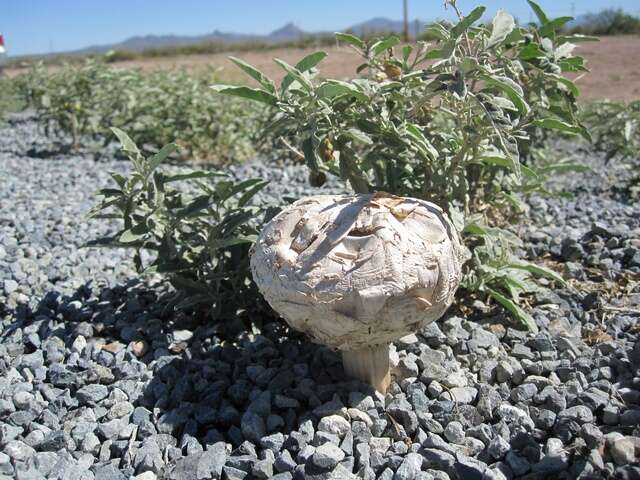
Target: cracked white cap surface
x=353 y=271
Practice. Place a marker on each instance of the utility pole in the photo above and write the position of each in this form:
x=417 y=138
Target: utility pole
x=406 y=20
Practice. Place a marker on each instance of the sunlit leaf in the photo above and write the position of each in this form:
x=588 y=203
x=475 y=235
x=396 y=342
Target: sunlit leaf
x=307 y=63
x=351 y=39
x=503 y=25
x=467 y=21
x=254 y=94
x=256 y=74
x=518 y=313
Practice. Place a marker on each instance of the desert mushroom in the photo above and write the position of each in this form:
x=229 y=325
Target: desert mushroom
x=356 y=272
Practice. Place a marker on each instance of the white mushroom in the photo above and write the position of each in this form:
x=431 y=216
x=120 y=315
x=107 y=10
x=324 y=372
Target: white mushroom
x=356 y=272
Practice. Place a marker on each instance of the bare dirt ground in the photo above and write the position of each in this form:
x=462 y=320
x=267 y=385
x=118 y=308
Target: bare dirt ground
x=614 y=63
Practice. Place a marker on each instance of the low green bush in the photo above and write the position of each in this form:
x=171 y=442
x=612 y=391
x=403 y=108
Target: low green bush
x=156 y=108
x=10 y=98
x=198 y=224
x=443 y=122
x=615 y=128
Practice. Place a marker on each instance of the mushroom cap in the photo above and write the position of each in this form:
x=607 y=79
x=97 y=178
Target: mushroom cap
x=352 y=271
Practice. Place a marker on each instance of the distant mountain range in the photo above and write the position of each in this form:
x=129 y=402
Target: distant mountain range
x=288 y=32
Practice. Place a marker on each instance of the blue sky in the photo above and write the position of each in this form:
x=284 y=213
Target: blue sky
x=42 y=26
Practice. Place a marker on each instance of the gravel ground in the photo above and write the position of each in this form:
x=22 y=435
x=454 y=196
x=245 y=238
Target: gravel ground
x=100 y=382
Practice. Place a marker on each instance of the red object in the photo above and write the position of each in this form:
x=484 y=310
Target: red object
x=1 y=40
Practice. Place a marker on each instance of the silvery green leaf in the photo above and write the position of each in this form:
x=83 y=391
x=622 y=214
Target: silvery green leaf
x=256 y=74
x=351 y=39
x=565 y=50
x=128 y=145
x=503 y=24
x=254 y=94
x=467 y=21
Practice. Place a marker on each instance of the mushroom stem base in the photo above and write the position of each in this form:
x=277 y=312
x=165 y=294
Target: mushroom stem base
x=370 y=365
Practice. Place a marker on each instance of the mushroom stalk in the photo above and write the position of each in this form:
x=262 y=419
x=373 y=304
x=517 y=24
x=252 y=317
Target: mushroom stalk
x=370 y=365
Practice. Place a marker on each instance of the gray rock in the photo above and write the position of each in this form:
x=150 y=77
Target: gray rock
x=18 y=451
x=55 y=441
x=518 y=464
x=363 y=456
x=628 y=417
x=90 y=443
x=284 y=462
x=8 y=433
x=305 y=454
x=327 y=456
x=6 y=468
x=610 y=415
x=524 y=392
x=454 y=432
x=551 y=464
x=498 y=447
x=544 y=419
x=437 y=459
x=553 y=446
x=592 y=436
x=468 y=468
x=579 y=414
x=211 y=461
x=312 y=472
x=109 y=472
x=149 y=457
x=623 y=450
x=180 y=336
x=400 y=409
x=273 y=442
x=111 y=429
x=32 y=360
x=10 y=286
x=232 y=473
x=409 y=468
x=462 y=395
x=253 y=426
x=406 y=368
x=521 y=351
x=22 y=400
x=481 y=338
x=262 y=469
x=512 y=414
x=282 y=476
x=92 y=394
x=334 y=424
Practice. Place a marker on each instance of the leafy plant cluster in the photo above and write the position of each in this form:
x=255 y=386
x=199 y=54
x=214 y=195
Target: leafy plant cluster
x=615 y=128
x=446 y=122
x=155 y=108
x=10 y=98
x=199 y=224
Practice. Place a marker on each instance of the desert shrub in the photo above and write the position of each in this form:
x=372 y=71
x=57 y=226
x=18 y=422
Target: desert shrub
x=155 y=108
x=10 y=98
x=198 y=225
x=615 y=128
x=443 y=122
x=608 y=22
